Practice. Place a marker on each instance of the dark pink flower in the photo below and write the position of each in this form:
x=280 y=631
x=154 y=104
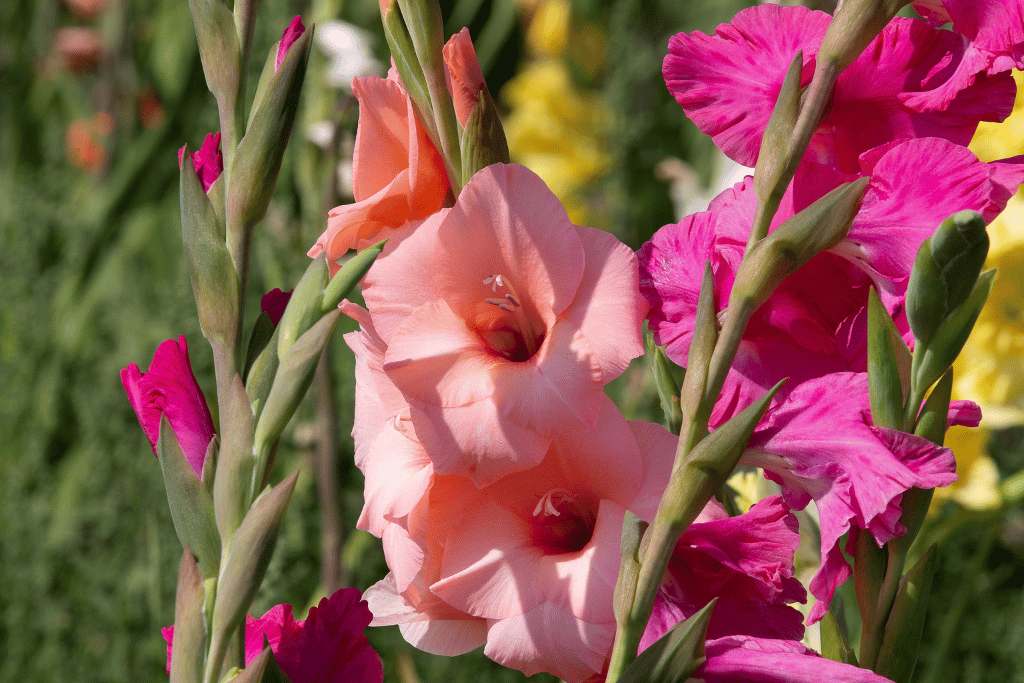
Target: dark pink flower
x=819 y=444
x=208 y=161
x=993 y=33
x=746 y=659
x=328 y=647
x=746 y=562
x=814 y=323
x=274 y=302
x=727 y=84
x=169 y=387
x=291 y=34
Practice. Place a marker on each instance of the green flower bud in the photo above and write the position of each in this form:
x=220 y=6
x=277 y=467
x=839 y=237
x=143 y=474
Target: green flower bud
x=944 y=273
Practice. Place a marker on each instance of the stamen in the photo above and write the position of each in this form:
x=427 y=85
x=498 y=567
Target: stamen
x=488 y=280
x=515 y=302
x=547 y=503
x=500 y=304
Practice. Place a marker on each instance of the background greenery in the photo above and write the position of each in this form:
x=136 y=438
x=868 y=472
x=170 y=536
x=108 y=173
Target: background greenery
x=92 y=278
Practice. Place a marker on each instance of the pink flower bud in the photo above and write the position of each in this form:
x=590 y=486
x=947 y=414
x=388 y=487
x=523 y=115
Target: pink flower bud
x=169 y=387
x=208 y=161
x=467 y=80
x=328 y=647
x=291 y=34
x=274 y=302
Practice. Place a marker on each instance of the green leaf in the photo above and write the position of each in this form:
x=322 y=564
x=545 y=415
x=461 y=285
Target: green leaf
x=263 y=669
x=706 y=468
x=251 y=549
x=834 y=644
x=674 y=656
x=190 y=503
x=262 y=332
x=668 y=390
x=888 y=363
x=702 y=347
x=189 y=623
x=897 y=657
x=214 y=279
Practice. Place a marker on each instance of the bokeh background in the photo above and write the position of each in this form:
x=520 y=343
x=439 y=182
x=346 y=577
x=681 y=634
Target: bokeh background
x=96 y=96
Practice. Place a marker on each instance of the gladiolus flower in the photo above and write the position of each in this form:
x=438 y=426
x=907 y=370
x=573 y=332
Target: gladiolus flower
x=273 y=304
x=169 y=387
x=466 y=77
x=815 y=321
x=291 y=34
x=398 y=176
x=819 y=443
x=503 y=321
x=208 y=161
x=728 y=83
x=328 y=647
x=994 y=36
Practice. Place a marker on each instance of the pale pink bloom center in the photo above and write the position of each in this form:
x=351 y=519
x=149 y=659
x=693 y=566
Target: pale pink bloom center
x=509 y=328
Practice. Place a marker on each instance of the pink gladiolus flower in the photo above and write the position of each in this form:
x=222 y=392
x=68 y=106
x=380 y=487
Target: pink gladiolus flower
x=273 y=304
x=503 y=321
x=169 y=387
x=728 y=83
x=288 y=38
x=815 y=322
x=527 y=566
x=398 y=176
x=994 y=33
x=208 y=161
x=328 y=647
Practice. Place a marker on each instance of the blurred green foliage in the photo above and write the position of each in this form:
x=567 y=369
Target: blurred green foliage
x=93 y=278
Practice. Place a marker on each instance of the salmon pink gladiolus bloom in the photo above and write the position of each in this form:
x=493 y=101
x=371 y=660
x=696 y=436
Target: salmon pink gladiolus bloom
x=503 y=321
x=170 y=388
x=327 y=647
x=397 y=174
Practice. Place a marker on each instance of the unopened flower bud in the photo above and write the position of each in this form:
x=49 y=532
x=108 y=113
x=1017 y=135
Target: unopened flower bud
x=945 y=271
x=290 y=35
x=208 y=161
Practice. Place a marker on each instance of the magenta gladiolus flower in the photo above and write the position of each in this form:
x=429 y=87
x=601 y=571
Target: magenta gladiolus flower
x=728 y=83
x=994 y=34
x=328 y=647
x=503 y=321
x=170 y=387
x=746 y=562
x=745 y=659
x=815 y=321
x=819 y=444
x=208 y=161
x=291 y=34
x=273 y=304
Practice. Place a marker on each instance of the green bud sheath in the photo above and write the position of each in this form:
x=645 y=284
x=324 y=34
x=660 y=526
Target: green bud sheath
x=945 y=271
x=674 y=656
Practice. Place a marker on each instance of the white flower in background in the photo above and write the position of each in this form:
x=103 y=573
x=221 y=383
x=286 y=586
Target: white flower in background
x=350 y=49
